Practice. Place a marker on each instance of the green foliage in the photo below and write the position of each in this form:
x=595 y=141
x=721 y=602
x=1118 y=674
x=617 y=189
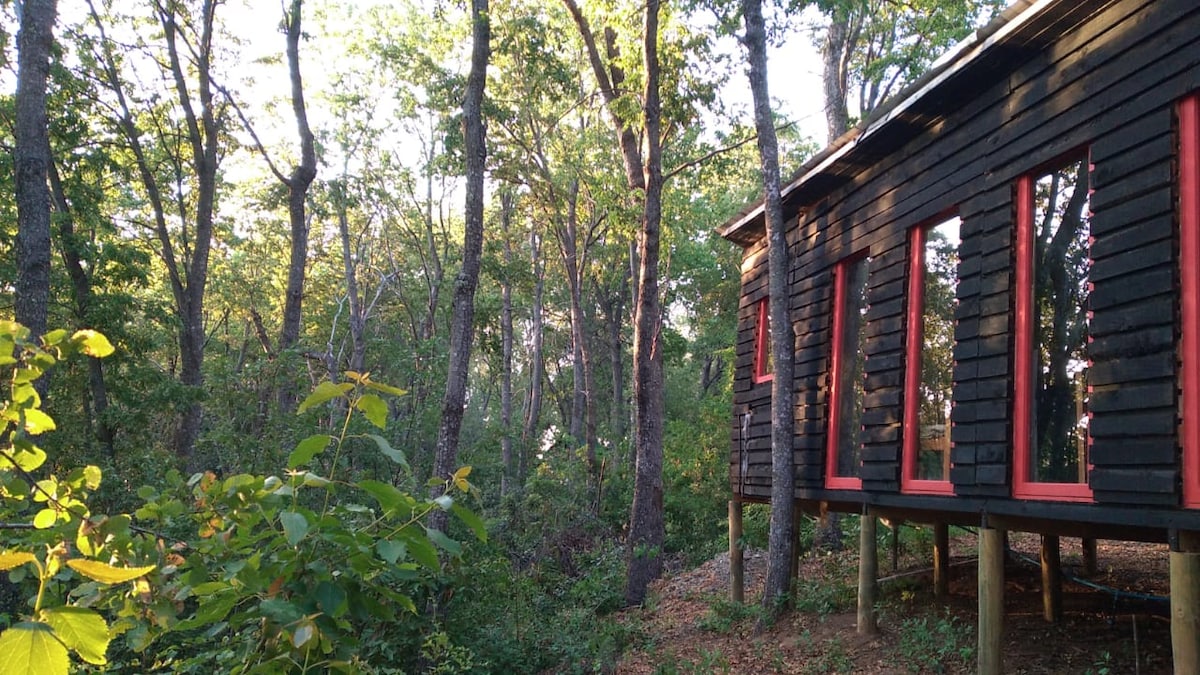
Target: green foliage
x=725 y=614
x=940 y=645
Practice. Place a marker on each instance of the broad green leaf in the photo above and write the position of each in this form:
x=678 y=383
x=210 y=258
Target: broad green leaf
x=373 y=407
x=471 y=520
x=307 y=449
x=391 y=551
x=445 y=543
x=326 y=391
x=93 y=343
x=295 y=526
x=38 y=422
x=385 y=388
x=26 y=375
x=420 y=548
x=25 y=395
x=80 y=629
x=214 y=609
x=387 y=495
x=27 y=457
x=15 y=559
x=32 y=649
x=14 y=330
x=331 y=598
x=280 y=611
x=54 y=337
x=107 y=574
x=92 y=476
x=45 y=519
x=386 y=448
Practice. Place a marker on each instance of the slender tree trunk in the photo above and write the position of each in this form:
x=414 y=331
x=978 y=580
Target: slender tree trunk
x=355 y=318
x=537 y=359
x=615 y=318
x=781 y=539
x=506 y=347
x=583 y=418
x=646 y=527
x=835 y=55
x=31 y=160
x=463 y=308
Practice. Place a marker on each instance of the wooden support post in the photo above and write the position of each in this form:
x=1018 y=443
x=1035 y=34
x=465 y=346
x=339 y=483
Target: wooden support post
x=868 y=574
x=737 y=591
x=1091 y=566
x=1185 y=602
x=941 y=560
x=991 y=600
x=1051 y=578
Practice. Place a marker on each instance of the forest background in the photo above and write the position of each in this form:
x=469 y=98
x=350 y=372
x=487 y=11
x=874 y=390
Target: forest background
x=259 y=212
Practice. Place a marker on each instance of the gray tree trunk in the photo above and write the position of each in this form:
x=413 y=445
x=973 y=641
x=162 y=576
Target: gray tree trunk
x=537 y=358
x=835 y=56
x=31 y=162
x=781 y=539
x=463 y=307
x=506 y=347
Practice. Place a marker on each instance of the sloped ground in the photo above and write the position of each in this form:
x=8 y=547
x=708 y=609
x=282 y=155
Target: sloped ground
x=690 y=627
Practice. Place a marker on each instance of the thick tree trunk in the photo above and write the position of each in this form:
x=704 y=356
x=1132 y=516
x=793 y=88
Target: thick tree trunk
x=31 y=162
x=835 y=55
x=646 y=527
x=783 y=496
x=463 y=308
x=506 y=347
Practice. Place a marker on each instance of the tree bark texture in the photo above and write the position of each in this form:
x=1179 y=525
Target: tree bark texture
x=537 y=358
x=574 y=257
x=297 y=184
x=835 y=55
x=781 y=541
x=463 y=307
x=506 y=347
x=31 y=161
x=646 y=527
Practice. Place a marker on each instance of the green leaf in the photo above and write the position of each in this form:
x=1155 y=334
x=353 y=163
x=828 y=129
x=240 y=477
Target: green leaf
x=420 y=548
x=54 y=337
x=93 y=343
x=331 y=598
x=445 y=543
x=307 y=449
x=45 y=519
x=386 y=448
x=15 y=559
x=215 y=608
x=391 y=551
x=385 y=388
x=326 y=391
x=31 y=649
x=374 y=408
x=92 y=476
x=280 y=611
x=80 y=629
x=107 y=574
x=37 y=422
x=471 y=520
x=295 y=526
x=387 y=495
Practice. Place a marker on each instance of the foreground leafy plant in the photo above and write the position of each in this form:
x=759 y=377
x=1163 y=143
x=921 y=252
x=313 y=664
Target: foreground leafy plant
x=60 y=517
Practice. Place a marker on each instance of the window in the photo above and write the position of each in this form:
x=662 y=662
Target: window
x=1050 y=417
x=844 y=450
x=764 y=365
x=1189 y=273
x=929 y=356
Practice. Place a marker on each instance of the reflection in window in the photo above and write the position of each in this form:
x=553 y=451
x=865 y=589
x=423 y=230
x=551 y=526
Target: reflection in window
x=1059 y=324
x=932 y=352
x=764 y=364
x=849 y=359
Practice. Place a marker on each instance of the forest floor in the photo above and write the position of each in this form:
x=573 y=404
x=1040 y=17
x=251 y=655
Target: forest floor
x=689 y=626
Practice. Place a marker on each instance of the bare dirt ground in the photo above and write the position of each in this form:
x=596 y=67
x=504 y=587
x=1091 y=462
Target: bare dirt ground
x=689 y=627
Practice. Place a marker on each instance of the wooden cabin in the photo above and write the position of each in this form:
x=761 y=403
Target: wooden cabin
x=995 y=293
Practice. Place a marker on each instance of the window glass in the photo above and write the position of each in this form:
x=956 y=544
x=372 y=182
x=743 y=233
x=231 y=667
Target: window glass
x=764 y=362
x=936 y=358
x=851 y=360
x=1059 y=318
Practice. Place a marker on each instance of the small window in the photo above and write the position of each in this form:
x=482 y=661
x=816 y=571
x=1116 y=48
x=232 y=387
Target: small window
x=844 y=450
x=764 y=364
x=1050 y=417
x=1189 y=273
x=929 y=356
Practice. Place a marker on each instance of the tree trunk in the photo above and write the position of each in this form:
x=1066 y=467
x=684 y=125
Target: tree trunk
x=537 y=360
x=583 y=419
x=506 y=347
x=835 y=55
x=615 y=319
x=31 y=161
x=781 y=539
x=356 y=318
x=463 y=308
x=646 y=527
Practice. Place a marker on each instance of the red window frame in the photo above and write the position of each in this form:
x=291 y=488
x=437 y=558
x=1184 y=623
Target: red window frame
x=762 y=342
x=836 y=362
x=1022 y=486
x=914 y=339
x=1189 y=277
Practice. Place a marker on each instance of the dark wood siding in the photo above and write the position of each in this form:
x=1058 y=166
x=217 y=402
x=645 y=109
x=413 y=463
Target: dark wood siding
x=1102 y=76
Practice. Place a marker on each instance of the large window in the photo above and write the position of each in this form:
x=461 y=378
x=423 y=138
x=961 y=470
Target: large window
x=844 y=450
x=1189 y=262
x=764 y=366
x=929 y=357
x=1050 y=417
